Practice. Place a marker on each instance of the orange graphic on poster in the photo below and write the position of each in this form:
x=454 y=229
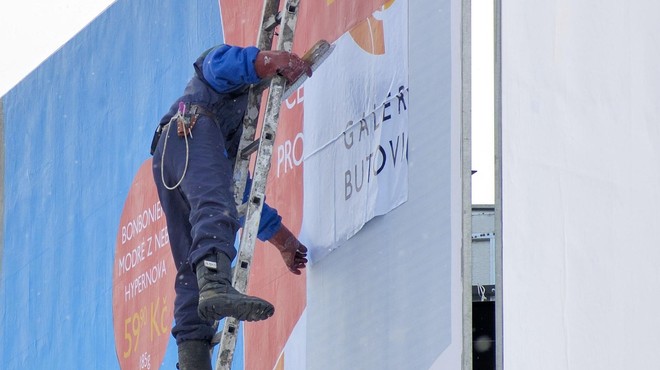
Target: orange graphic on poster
x=317 y=20
x=143 y=278
x=370 y=35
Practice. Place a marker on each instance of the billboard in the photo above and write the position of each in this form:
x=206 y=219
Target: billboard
x=366 y=170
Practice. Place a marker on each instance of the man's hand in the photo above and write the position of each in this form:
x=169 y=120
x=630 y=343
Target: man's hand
x=289 y=65
x=294 y=255
x=293 y=252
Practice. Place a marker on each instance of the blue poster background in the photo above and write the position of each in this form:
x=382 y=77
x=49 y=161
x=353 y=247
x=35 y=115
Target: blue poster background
x=76 y=130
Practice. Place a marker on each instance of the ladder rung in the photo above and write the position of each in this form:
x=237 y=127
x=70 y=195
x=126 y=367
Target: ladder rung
x=250 y=148
x=217 y=337
x=273 y=21
x=241 y=209
x=243 y=264
x=291 y=8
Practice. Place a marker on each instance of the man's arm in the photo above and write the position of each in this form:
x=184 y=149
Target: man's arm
x=228 y=68
x=271 y=228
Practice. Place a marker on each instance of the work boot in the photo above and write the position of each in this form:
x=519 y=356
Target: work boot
x=218 y=299
x=194 y=355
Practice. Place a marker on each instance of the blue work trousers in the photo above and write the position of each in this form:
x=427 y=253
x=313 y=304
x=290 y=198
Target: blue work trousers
x=201 y=214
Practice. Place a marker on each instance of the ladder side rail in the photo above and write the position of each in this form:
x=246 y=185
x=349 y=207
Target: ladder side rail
x=264 y=154
x=251 y=118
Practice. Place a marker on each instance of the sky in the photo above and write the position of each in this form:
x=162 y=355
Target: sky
x=32 y=30
x=483 y=148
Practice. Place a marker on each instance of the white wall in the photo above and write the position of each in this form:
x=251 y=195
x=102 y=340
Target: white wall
x=581 y=180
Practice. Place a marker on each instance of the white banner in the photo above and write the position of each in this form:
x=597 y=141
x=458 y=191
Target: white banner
x=580 y=180
x=356 y=131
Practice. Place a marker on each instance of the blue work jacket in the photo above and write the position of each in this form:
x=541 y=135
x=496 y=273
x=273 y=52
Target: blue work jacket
x=223 y=75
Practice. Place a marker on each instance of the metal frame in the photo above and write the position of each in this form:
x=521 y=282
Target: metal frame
x=466 y=174
x=499 y=317
x=491 y=240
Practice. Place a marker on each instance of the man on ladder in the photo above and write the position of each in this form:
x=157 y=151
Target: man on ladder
x=193 y=170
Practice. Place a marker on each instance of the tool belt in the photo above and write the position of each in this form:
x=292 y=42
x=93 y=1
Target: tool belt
x=184 y=123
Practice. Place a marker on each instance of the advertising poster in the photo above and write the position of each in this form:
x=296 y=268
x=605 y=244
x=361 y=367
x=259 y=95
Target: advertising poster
x=340 y=151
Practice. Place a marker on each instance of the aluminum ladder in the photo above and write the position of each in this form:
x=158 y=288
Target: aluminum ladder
x=263 y=146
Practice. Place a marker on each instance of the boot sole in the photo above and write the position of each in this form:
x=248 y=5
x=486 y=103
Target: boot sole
x=243 y=309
